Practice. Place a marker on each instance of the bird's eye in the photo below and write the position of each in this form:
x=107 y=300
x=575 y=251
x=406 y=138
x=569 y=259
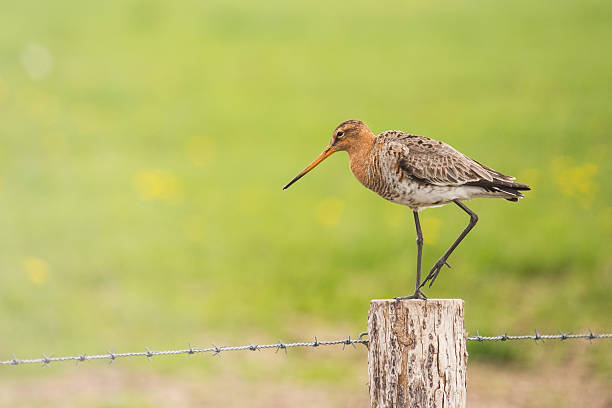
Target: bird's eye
x=340 y=134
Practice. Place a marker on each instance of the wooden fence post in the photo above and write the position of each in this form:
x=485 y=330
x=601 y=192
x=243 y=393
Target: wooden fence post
x=417 y=353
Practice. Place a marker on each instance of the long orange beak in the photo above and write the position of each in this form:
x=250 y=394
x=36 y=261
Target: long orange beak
x=326 y=153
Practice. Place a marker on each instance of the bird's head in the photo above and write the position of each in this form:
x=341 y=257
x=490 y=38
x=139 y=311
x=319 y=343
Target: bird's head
x=346 y=136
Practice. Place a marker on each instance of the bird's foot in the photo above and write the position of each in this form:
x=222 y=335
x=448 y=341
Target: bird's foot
x=416 y=295
x=433 y=274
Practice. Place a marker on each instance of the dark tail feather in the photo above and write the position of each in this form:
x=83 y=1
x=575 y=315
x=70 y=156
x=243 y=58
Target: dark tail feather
x=508 y=187
x=519 y=186
x=512 y=191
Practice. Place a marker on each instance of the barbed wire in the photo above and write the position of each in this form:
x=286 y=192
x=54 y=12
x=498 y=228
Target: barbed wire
x=214 y=350
x=540 y=337
x=217 y=350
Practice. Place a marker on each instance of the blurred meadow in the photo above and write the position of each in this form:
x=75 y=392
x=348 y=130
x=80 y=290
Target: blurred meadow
x=144 y=145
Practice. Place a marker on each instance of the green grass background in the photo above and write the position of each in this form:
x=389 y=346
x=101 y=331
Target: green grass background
x=140 y=179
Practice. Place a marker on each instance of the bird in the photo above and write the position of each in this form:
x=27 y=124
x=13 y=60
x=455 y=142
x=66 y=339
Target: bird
x=417 y=172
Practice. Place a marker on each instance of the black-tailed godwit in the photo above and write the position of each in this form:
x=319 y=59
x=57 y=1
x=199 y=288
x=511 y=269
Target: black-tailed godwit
x=418 y=172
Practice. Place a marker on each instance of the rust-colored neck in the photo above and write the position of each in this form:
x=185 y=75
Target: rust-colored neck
x=359 y=155
x=362 y=146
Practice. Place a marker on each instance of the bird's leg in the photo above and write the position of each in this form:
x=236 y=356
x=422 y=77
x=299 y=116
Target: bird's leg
x=417 y=292
x=433 y=274
x=419 y=241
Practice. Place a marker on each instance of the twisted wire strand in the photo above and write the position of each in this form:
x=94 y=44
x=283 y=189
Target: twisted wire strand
x=217 y=350
x=537 y=336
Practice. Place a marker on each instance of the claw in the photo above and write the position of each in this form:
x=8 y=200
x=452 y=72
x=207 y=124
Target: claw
x=433 y=274
x=424 y=281
x=433 y=278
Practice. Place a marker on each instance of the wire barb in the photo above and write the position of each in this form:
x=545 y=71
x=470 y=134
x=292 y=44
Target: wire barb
x=347 y=342
x=149 y=354
x=281 y=346
x=316 y=343
x=479 y=338
x=537 y=337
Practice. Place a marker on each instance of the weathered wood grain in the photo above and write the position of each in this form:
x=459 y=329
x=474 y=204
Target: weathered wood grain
x=417 y=353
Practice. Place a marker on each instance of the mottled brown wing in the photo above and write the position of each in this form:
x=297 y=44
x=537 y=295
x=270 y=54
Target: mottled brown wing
x=437 y=163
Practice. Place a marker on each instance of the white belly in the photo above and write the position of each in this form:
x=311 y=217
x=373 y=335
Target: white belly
x=419 y=196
